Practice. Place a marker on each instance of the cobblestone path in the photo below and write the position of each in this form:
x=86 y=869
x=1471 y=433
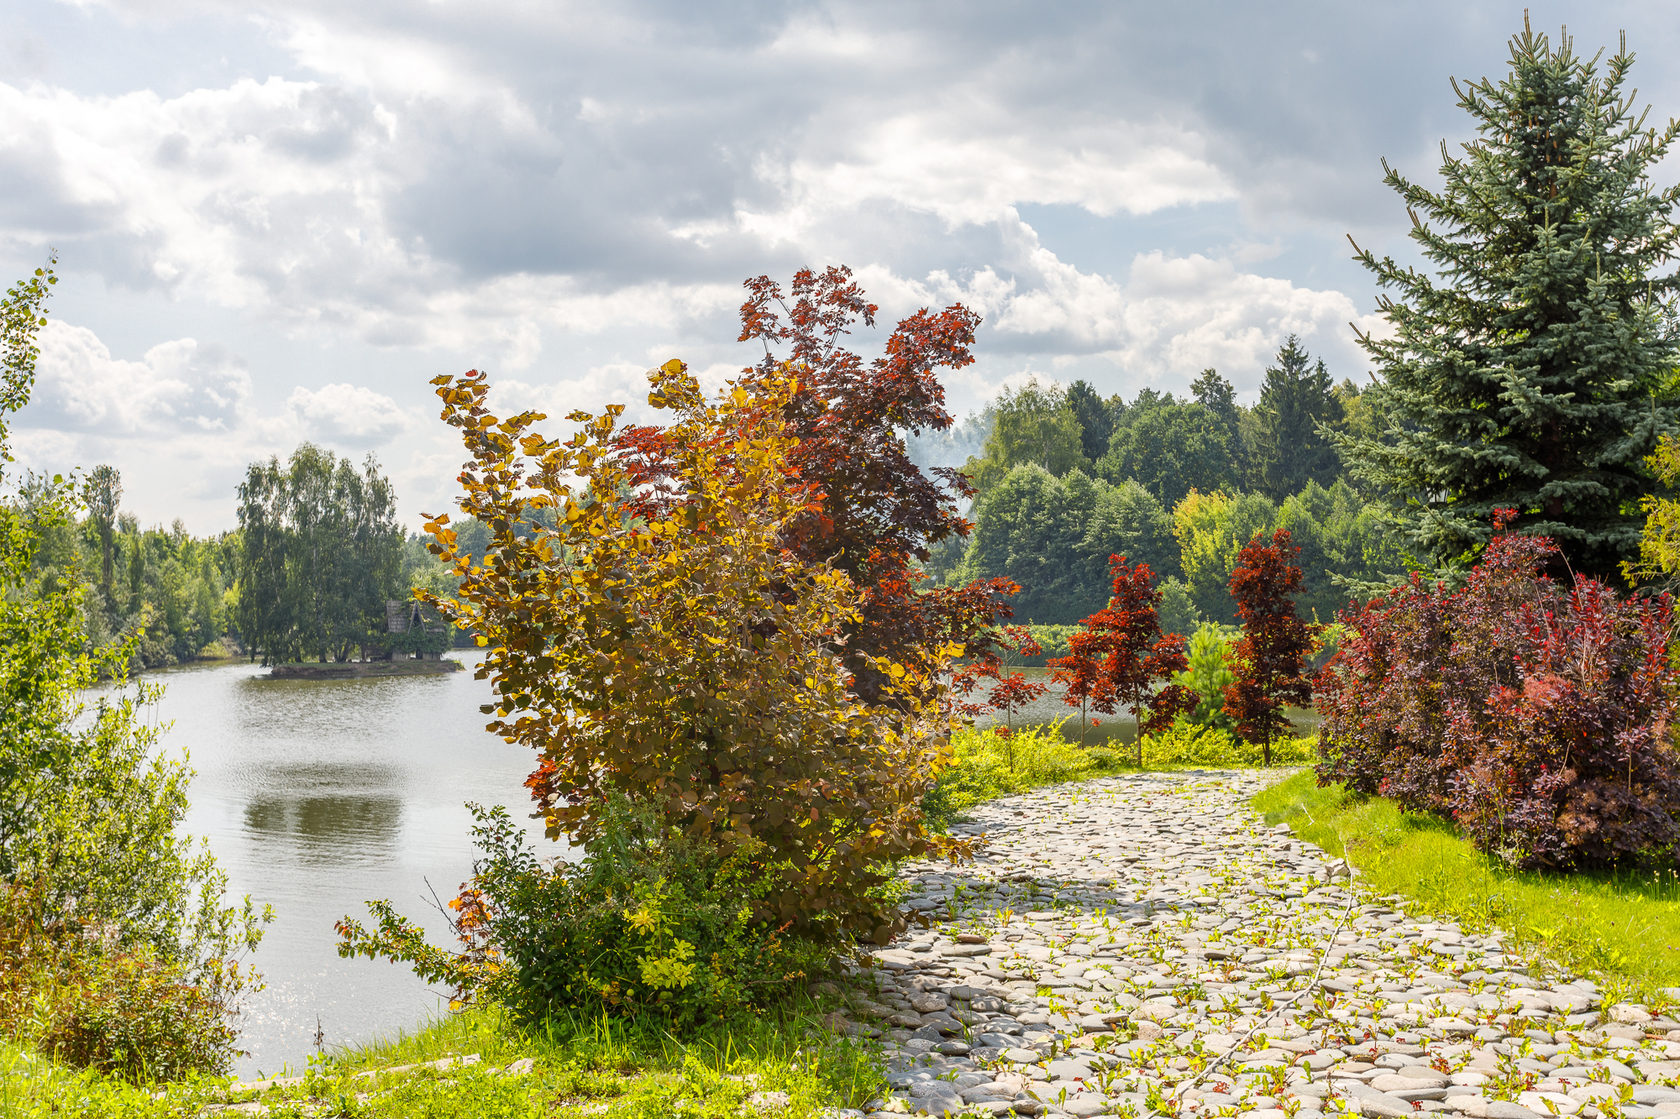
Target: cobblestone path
x=1144 y=944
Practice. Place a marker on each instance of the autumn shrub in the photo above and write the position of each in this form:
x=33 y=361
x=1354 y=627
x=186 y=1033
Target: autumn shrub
x=659 y=640
x=651 y=920
x=878 y=514
x=1537 y=714
x=1268 y=662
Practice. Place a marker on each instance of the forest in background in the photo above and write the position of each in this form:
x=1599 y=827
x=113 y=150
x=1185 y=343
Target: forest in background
x=1065 y=478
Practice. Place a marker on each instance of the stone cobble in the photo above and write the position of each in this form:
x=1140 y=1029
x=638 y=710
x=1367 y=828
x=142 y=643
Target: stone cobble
x=1144 y=944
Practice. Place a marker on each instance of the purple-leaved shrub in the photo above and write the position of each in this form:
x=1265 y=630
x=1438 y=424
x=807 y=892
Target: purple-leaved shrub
x=1535 y=713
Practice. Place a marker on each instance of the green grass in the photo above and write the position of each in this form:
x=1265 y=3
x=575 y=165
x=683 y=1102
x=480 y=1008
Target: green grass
x=1622 y=928
x=619 y=1070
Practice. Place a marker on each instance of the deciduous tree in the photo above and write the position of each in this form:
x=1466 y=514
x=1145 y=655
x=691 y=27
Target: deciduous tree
x=1171 y=449
x=1135 y=654
x=1270 y=658
x=1096 y=420
x=103 y=496
x=1032 y=424
x=89 y=806
x=320 y=555
x=874 y=513
x=999 y=663
x=1081 y=674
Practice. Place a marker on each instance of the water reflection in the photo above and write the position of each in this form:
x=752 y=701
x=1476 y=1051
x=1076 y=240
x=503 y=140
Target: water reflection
x=317 y=796
x=318 y=828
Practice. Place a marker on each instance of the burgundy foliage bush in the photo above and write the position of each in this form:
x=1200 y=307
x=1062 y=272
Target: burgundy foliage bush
x=1535 y=714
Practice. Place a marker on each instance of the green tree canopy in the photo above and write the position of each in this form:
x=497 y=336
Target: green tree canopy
x=1096 y=419
x=1211 y=529
x=1130 y=521
x=1034 y=423
x=1171 y=448
x=1529 y=368
x=320 y=554
x=1028 y=528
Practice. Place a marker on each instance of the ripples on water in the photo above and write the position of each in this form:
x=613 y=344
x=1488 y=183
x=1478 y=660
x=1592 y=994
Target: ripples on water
x=319 y=795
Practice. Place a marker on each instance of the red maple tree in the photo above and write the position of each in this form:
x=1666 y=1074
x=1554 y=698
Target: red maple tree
x=1081 y=672
x=1135 y=654
x=1267 y=661
x=874 y=513
x=1010 y=689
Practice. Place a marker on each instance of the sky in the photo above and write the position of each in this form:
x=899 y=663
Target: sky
x=276 y=222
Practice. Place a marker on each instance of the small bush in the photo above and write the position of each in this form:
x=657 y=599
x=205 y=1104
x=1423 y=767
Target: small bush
x=1187 y=743
x=1210 y=673
x=84 y=997
x=650 y=920
x=986 y=765
x=1534 y=714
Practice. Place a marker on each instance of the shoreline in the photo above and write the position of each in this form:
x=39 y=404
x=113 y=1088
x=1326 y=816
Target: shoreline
x=363 y=670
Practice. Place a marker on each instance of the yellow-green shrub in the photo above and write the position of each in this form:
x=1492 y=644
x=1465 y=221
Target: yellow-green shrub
x=650 y=920
x=986 y=765
x=1188 y=743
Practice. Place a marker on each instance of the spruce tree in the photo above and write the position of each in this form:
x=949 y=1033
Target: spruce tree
x=1291 y=447
x=1096 y=421
x=1531 y=367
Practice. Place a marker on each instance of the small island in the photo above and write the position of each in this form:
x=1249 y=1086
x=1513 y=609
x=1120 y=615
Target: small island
x=412 y=642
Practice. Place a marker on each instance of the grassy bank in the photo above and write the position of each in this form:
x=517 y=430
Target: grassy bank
x=781 y=1063
x=1623 y=927
x=784 y=1060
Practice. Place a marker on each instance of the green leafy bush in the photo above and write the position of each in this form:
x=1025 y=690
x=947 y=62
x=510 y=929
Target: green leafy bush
x=649 y=920
x=115 y=932
x=81 y=996
x=1188 y=743
x=1210 y=673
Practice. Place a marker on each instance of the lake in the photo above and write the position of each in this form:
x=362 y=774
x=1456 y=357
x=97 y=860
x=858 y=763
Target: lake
x=319 y=795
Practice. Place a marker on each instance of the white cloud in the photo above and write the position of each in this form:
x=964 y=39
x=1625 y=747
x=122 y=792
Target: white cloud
x=568 y=194
x=348 y=413
x=971 y=163
x=179 y=386
x=1192 y=312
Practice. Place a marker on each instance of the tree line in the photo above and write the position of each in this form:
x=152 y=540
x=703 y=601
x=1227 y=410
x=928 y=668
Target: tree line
x=1066 y=478
x=317 y=554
